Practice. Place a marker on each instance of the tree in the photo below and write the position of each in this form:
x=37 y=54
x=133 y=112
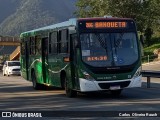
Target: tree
x=144 y=12
x=152 y=16
x=91 y=8
x=128 y=9
x=148 y=34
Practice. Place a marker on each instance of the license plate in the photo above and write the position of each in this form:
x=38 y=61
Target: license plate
x=115 y=87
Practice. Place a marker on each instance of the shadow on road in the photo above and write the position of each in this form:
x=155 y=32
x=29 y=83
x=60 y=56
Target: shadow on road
x=21 y=96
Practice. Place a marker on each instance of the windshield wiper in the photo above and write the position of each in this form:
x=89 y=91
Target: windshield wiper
x=102 y=41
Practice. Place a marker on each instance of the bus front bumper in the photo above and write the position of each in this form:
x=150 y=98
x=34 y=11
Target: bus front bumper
x=92 y=85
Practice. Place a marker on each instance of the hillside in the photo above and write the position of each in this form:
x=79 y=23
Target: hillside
x=7 y=7
x=22 y=15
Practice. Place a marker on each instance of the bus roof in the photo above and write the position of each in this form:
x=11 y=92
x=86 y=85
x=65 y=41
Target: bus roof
x=70 y=22
x=103 y=18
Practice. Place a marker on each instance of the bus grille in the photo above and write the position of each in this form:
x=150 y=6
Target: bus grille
x=16 y=70
x=108 y=85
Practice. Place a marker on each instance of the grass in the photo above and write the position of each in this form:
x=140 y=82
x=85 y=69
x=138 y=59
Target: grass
x=149 y=50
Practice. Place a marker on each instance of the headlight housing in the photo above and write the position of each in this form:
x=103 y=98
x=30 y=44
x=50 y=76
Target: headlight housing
x=138 y=73
x=87 y=76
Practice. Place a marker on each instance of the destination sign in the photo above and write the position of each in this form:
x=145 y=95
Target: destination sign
x=106 y=24
x=97 y=58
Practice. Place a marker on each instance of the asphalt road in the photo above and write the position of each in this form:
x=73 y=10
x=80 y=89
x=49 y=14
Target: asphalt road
x=17 y=94
x=152 y=66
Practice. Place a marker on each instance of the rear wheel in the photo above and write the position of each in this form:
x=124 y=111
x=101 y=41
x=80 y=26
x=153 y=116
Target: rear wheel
x=116 y=93
x=36 y=85
x=69 y=92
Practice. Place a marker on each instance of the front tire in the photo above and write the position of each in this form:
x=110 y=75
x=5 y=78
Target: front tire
x=69 y=92
x=36 y=85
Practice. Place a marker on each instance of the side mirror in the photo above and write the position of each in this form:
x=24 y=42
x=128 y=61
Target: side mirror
x=66 y=59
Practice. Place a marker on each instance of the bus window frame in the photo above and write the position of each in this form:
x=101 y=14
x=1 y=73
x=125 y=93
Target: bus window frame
x=32 y=46
x=65 y=40
x=23 y=46
x=51 y=42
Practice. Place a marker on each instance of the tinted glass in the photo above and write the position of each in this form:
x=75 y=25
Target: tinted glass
x=13 y=63
x=109 y=49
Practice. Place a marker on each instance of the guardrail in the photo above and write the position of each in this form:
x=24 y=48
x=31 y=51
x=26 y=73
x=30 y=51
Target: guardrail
x=9 y=39
x=149 y=74
x=149 y=58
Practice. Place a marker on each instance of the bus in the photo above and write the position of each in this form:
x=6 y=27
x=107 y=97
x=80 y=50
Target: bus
x=83 y=55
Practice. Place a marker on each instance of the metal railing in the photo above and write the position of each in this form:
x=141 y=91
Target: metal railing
x=149 y=74
x=149 y=58
x=9 y=39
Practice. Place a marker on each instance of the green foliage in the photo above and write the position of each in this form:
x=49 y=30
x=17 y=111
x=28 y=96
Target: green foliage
x=91 y=8
x=148 y=53
x=145 y=13
x=149 y=50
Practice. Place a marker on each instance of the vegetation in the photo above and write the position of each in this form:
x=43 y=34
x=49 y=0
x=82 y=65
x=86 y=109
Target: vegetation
x=144 y=12
x=23 y=15
x=149 y=50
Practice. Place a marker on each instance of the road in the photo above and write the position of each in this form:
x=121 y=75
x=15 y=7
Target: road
x=17 y=94
x=151 y=66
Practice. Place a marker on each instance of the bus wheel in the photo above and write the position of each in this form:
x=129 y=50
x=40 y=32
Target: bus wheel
x=36 y=85
x=116 y=93
x=69 y=92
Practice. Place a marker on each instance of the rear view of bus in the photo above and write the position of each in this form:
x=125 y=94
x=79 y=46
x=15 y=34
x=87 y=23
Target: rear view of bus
x=109 y=55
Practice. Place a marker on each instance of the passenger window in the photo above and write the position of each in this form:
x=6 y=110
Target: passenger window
x=63 y=41
x=53 y=43
x=32 y=46
x=38 y=45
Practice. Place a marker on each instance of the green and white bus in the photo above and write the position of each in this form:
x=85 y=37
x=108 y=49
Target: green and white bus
x=83 y=55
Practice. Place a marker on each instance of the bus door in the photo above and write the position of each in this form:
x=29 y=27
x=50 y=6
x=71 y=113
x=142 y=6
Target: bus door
x=24 y=59
x=73 y=57
x=27 y=58
x=45 y=59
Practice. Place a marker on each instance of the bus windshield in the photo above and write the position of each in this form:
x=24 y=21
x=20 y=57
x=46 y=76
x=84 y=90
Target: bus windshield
x=13 y=63
x=109 y=49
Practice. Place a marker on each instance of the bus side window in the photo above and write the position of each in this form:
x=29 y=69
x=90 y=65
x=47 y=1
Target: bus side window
x=23 y=47
x=53 y=43
x=32 y=46
x=38 y=45
x=63 y=41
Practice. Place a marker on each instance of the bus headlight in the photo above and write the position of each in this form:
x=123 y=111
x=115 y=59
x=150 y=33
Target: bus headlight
x=138 y=72
x=87 y=76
